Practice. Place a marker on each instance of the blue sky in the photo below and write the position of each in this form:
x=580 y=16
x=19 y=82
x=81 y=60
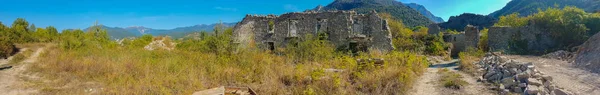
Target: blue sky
x=168 y=14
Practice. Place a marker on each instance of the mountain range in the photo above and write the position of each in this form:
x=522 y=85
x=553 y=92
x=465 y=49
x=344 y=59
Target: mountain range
x=529 y=7
x=136 y=31
x=458 y=23
x=398 y=10
x=425 y=12
x=411 y=14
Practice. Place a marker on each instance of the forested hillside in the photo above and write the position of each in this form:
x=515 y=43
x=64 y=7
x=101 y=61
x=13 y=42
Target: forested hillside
x=529 y=7
x=398 y=10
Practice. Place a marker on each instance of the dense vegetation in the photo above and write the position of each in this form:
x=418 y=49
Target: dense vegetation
x=569 y=26
x=415 y=39
x=399 y=11
x=91 y=60
x=22 y=32
x=458 y=23
x=529 y=7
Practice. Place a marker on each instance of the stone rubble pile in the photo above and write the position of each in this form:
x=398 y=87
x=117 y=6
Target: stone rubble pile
x=560 y=55
x=516 y=77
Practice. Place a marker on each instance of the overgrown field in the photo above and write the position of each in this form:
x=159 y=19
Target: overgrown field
x=84 y=62
x=87 y=63
x=123 y=70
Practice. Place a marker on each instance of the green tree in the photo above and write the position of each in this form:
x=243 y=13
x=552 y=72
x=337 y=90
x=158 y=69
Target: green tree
x=19 y=31
x=512 y=20
x=42 y=35
x=566 y=25
x=53 y=33
x=483 y=40
x=592 y=22
x=32 y=28
x=6 y=46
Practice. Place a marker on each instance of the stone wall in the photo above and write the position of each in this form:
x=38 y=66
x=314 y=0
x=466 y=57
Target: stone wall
x=460 y=42
x=527 y=38
x=471 y=36
x=342 y=27
x=434 y=29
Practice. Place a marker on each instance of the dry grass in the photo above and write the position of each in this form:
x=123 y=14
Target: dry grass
x=468 y=59
x=125 y=70
x=451 y=79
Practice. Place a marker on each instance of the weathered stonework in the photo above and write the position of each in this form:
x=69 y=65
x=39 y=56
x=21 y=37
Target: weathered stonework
x=460 y=42
x=529 y=38
x=344 y=29
x=434 y=29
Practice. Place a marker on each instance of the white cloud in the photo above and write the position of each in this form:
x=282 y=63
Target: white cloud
x=226 y=9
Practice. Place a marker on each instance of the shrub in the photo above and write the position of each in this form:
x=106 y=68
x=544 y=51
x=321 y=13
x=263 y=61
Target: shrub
x=483 y=40
x=141 y=41
x=568 y=27
x=451 y=79
x=512 y=20
x=6 y=48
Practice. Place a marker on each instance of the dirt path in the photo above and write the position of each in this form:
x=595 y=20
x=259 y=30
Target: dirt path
x=428 y=83
x=575 y=80
x=11 y=81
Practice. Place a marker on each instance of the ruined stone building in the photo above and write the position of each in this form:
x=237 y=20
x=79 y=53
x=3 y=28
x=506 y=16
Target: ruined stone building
x=515 y=39
x=460 y=42
x=344 y=29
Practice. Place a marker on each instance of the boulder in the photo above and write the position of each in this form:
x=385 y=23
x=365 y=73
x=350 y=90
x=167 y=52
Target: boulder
x=587 y=55
x=522 y=84
x=510 y=81
x=517 y=89
x=513 y=70
x=489 y=74
x=547 y=78
x=495 y=77
x=532 y=81
x=522 y=76
x=532 y=90
x=506 y=73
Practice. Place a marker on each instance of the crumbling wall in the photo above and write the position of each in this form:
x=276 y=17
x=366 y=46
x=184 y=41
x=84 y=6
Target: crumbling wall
x=471 y=36
x=340 y=26
x=434 y=29
x=457 y=43
x=511 y=39
x=460 y=42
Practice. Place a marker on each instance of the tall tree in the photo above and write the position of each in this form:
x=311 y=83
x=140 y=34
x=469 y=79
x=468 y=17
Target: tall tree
x=32 y=28
x=19 y=31
x=52 y=32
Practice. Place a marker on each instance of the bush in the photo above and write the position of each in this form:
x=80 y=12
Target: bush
x=94 y=38
x=451 y=79
x=483 y=40
x=568 y=27
x=6 y=48
x=512 y=20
